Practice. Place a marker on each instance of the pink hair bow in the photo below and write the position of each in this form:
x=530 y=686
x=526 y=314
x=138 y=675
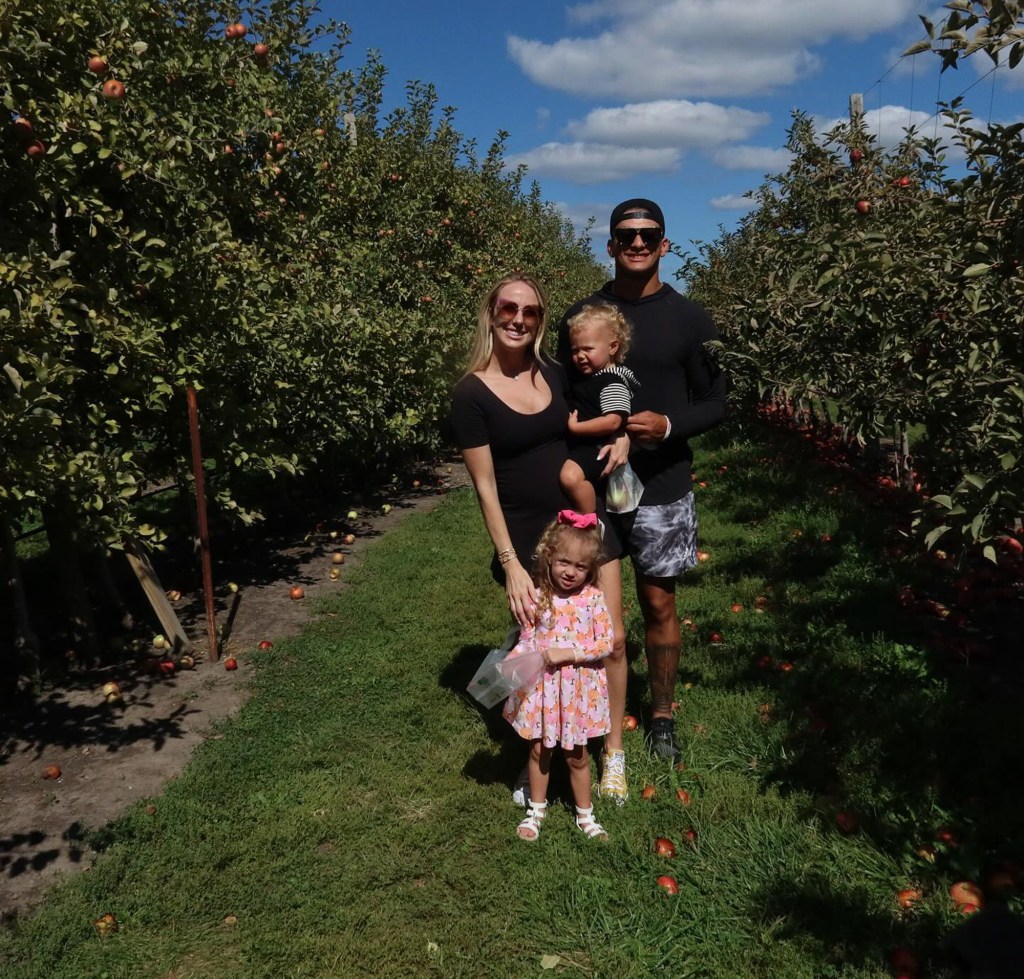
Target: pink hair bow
x=581 y=521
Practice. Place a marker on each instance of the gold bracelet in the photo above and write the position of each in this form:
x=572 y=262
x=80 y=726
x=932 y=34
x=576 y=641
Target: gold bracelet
x=506 y=555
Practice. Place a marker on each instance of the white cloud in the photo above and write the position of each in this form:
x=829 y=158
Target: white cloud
x=887 y=124
x=732 y=202
x=668 y=123
x=580 y=215
x=764 y=159
x=592 y=163
x=543 y=117
x=669 y=48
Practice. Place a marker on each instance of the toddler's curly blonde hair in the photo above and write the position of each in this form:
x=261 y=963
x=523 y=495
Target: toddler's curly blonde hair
x=611 y=317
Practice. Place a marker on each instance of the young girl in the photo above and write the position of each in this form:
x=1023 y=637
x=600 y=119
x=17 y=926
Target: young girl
x=602 y=396
x=568 y=704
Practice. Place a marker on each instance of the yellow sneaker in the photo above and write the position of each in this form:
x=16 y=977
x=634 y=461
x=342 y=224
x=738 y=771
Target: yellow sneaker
x=613 y=777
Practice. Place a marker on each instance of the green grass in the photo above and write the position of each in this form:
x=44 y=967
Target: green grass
x=356 y=819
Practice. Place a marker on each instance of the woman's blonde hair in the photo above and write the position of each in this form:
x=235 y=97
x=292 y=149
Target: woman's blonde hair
x=586 y=541
x=483 y=342
x=611 y=316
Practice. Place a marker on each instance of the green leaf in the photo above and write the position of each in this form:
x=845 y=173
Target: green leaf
x=973 y=271
x=934 y=535
x=78 y=147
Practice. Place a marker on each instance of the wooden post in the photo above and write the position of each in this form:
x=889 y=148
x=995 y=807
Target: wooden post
x=856 y=108
x=204 y=531
x=139 y=561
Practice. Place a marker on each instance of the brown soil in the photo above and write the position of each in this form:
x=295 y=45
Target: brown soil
x=110 y=756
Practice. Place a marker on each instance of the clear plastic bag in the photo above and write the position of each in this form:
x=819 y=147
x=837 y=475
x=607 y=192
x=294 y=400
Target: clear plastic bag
x=505 y=670
x=624 y=490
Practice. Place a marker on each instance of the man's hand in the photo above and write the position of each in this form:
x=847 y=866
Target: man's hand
x=615 y=454
x=647 y=426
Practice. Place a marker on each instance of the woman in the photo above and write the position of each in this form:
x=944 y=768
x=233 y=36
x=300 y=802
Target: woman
x=510 y=416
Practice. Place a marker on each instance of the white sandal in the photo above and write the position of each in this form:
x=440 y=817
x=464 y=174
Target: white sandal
x=529 y=828
x=591 y=827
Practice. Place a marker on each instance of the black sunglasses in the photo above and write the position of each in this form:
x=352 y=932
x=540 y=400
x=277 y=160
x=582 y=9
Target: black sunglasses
x=626 y=236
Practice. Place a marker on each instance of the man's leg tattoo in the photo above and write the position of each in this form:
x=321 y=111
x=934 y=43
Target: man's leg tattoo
x=663 y=668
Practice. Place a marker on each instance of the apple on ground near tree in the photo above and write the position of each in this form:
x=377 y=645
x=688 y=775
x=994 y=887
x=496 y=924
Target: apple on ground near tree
x=664 y=847
x=691 y=837
x=334 y=574
x=350 y=539
x=630 y=723
x=159 y=642
x=52 y=772
x=265 y=644
x=668 y=884
x=967 y=892
x=230 y=664
x=386 y=508
x=105 y=925
x=648 y=792
x=353 y=515
x=908 y=898
x=683 y=796
x=716 y=637
x=847 y=822
x=736 y=607
x=296 y=592
x=232 y=587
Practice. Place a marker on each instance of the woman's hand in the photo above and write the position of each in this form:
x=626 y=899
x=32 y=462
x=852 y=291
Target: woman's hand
x=616 y=454
x=522 y=595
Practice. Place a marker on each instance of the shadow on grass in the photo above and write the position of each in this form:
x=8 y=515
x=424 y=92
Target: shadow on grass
x=890 y=719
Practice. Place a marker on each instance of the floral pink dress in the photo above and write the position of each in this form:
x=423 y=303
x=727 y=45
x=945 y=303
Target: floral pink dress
x=568 y=704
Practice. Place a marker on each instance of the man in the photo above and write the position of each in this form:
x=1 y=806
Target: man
x=681 y=394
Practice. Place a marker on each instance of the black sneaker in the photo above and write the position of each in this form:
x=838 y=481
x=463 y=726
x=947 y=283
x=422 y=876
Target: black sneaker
x=662 y=738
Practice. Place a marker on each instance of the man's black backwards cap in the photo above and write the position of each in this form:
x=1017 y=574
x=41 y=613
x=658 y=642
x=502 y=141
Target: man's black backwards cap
x=637 y=207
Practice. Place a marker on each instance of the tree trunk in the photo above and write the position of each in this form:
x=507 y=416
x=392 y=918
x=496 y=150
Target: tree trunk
x=62 y=533
x=26 y=644
x=105 y=585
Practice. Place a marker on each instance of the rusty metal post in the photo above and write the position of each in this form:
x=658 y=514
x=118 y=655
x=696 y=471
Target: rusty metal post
x=204 y=530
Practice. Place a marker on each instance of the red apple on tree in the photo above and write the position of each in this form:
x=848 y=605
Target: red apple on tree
x=856 y=155
x=863 y=207
x=36 y=150
x=97 y=65
x=260 y=50
x=235 y=31
x=113 y=89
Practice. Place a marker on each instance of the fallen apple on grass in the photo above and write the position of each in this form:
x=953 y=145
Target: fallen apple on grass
x=847 y=822
x=337 y=558
x=334 y=574
x=716 y=637
x=908 y=898
x=296 y=592
x=664 y=847
x=668 y=884
x=648 y=793
x=735 y=608
x=683 y=796
x=266 y=644
x=630 y=723
x=159 y=642
x=966 y=892
x=691 y=837
x=230 y=664
x=105 y=925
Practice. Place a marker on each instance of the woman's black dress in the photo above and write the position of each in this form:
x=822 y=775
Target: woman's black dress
x=528 y=452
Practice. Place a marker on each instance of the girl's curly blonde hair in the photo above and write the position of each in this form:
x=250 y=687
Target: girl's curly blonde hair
x=609 y=315
x=586 y=542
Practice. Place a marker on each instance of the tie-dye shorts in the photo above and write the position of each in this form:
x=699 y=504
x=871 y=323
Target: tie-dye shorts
x=661 y=540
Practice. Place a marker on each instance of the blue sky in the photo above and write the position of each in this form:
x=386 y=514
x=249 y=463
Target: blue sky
x=683 y=101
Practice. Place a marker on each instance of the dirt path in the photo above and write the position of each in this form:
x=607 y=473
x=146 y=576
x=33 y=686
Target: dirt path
x=110 y=756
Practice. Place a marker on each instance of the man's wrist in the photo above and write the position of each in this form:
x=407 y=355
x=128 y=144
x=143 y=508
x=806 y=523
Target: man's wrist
x=668 y=428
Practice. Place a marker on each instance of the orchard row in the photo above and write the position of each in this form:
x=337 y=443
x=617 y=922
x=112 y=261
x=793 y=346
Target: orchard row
x=883 y=288
x=203 y=194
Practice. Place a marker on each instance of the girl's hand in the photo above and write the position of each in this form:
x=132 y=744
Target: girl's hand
x=559 y=655
x=522 y=595
x=573 y=421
